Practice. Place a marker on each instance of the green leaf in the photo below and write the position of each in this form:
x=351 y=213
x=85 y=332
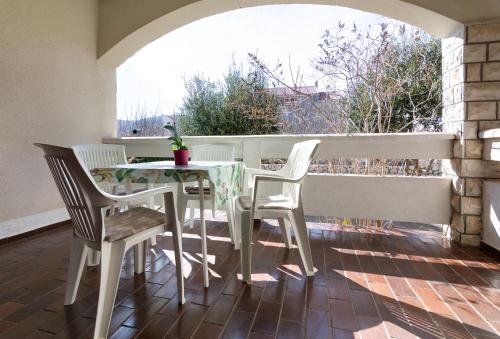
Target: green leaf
x=171 y=129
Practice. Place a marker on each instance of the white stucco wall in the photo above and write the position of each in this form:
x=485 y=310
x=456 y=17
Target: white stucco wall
x=52 y=90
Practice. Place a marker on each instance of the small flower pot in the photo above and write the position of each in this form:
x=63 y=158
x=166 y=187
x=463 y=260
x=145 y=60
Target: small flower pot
x=181 y=157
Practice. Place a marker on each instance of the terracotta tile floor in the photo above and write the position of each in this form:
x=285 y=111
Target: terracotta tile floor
x=371 y=284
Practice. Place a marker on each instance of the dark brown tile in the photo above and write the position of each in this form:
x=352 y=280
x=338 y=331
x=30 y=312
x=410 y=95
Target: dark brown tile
x=274 y=291
x=340 y=333
x=157 y=327
x=188 y=321
x=5 y=325
x=318 y=324
x=249 y=299
x=8 y=308
x=208 y=331
x=220 y=312
x=266 y=320
x=338 y=289
x=238 y=325
x=124 y=333
x=363 y=304
x=317 y=297
x=293 y=307
x=141 y=316
x=289 y=330
x=471 y=320
x=77 y=328
x=141 y=296
x=342 y=315
x=255 y=335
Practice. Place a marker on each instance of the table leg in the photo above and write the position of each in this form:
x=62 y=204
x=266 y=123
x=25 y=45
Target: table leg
x=179 y=204
x=174 y=225
x=151 y=200
x=203 y=234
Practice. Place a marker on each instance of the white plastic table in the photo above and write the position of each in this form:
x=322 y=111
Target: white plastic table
x=225 y=176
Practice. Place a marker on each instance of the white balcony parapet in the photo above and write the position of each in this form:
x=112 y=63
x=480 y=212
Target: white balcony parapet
x=399 y=198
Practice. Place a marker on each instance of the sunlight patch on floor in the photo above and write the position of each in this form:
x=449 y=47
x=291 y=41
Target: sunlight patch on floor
x=186 y=264
x=259 y=277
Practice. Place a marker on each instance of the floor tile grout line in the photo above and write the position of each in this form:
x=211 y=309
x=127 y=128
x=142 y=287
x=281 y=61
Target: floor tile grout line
x=458 y=292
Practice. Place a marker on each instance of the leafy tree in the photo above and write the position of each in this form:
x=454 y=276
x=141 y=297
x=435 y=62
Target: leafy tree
x=380 y=80
x=240 y=105
x=389 y=81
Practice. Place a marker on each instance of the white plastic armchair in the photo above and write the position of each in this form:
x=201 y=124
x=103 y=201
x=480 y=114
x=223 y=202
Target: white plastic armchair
x=286 y=206
x=93 y=156
x=95 y=228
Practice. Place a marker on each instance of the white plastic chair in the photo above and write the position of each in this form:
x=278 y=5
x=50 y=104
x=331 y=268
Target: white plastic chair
x=190 y=194
x=285 y=207
x=104 y=155
x=97 y=228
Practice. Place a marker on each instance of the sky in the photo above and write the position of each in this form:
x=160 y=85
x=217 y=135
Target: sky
x=154 y=77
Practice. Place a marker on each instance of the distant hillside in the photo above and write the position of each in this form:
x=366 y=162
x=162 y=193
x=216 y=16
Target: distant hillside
x=148 y=126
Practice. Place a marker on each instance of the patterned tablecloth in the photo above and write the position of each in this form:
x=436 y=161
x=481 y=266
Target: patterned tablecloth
x=225 y=176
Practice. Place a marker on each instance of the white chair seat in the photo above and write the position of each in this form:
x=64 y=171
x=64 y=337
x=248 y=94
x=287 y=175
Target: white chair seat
x=130 y=222
x=275 y=202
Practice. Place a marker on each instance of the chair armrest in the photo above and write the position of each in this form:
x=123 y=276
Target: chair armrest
x=254 y=171
x=269 y=178
x=139 y=195
x=275 y=178
x=249 y=175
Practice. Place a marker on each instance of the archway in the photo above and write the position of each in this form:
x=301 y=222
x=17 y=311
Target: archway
x=127 y=26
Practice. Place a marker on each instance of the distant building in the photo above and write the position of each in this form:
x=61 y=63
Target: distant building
x=302 y=103
x=290 y=97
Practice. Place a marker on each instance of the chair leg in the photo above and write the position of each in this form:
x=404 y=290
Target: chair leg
x=153 y=241
x=191 y=214
x=237 y=229
x=77 y=260
x=285 y=230
x=246 y=246
x=212 y=203
x=151 y=204
x=93 y=258
x=230 y=218
x=301 y=236
x=203 y=234
x=111 y=263
x=140 y=257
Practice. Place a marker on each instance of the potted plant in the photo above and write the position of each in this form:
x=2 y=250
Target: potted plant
x=181 y=152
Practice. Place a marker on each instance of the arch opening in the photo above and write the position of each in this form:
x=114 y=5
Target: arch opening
x=126 y=27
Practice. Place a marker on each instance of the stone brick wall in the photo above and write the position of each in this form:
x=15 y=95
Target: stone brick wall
x=471 y=91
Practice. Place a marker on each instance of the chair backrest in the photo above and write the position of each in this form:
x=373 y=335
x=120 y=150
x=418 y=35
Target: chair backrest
x=82 y=198
x=100 y=155
x=297 y=167
x=212 y=152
